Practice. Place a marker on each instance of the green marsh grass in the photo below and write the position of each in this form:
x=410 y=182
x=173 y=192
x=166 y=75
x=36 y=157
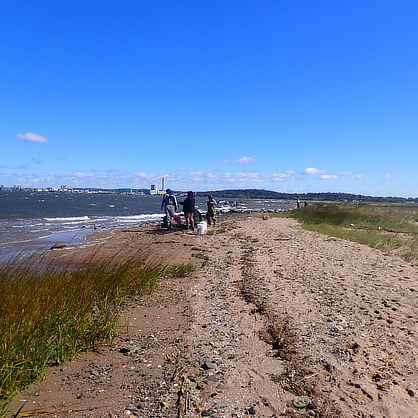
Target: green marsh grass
x=391 y=228
x=50 y=314
x=216 y=231
x=178 y=270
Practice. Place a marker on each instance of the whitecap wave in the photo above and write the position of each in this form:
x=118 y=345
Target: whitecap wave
x=68 y=219
x=139 y=218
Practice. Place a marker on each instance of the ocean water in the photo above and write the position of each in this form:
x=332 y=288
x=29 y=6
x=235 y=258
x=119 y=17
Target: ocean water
x=33 y=220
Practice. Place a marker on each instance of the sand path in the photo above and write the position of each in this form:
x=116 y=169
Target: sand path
x=272 y=313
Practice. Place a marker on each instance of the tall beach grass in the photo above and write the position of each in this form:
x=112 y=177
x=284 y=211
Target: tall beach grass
x=49 y=314
x=388 y=227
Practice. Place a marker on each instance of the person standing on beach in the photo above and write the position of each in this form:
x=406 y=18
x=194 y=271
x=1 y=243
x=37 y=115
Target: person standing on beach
x=211 y=212
x=188 y=209
x=169 y=205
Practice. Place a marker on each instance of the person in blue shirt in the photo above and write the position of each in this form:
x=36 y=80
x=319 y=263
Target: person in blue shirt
x=169 y=205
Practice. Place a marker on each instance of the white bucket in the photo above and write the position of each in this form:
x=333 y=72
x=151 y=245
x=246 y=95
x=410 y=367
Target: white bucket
x=202 y=227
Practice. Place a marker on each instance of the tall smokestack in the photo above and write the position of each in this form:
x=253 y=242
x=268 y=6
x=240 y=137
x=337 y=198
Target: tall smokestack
x=163 y=184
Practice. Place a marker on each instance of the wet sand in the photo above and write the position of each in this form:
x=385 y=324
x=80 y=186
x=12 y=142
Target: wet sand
x=13 y=251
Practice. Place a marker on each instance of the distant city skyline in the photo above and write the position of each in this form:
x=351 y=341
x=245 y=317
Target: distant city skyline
x=293 y=97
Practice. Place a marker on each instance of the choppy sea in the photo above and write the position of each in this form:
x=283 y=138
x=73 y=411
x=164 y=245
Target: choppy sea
x=34 y=220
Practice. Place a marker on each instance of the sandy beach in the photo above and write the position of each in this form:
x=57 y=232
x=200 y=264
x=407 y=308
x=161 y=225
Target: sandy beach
x=271 y=313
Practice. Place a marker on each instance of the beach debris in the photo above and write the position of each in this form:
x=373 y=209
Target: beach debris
x=131 y=409
x=58 y=245
x=251 y=410
x=208 y=366
x=301 y=402
x=128 y=349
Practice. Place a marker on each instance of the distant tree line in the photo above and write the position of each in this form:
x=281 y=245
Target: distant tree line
x=331 y=197
x=242 y=194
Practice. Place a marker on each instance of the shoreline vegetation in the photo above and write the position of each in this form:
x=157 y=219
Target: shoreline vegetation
x=52 y=313
x=390 y=228
x=234 y=194
x=317 y=197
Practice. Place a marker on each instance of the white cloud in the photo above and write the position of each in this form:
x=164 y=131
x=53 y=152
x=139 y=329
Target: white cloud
x=197 y=173
x=30 y=137
x=81 y=175
x=358 y=176
x=111 y=177
x=141 y=175
x=251 y=177
x=244 y=160
x=328 y=177
x=211 y=175
x=222 y=160
x=310 y=171
x=346 y=173
x=388 y=176
x=282 y=176
x=256 y=177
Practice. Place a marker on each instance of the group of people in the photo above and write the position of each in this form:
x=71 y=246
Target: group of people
x=298 y=203
x=170 y=205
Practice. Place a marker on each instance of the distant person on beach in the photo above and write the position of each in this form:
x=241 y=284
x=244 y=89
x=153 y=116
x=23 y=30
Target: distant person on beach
x=210 y=214
x=188 y=209
x=169 y=205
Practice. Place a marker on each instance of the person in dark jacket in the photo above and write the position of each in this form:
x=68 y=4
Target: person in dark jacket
x=188 y=209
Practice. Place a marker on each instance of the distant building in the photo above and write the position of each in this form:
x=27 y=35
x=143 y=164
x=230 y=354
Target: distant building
x=155 y=189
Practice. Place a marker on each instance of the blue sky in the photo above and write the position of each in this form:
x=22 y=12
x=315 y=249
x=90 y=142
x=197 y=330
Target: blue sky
x=292 y=96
